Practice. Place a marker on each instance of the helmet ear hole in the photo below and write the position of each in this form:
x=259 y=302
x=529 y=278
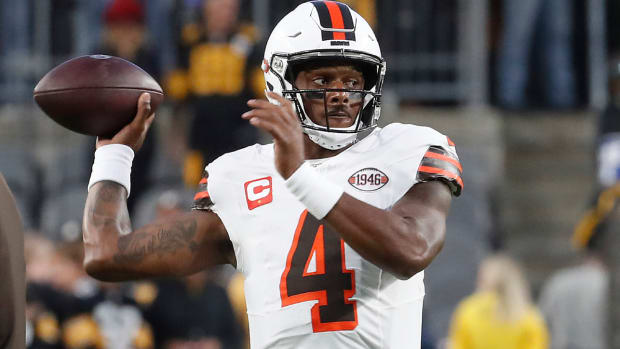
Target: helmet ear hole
x=368 y=113
x=370 y=73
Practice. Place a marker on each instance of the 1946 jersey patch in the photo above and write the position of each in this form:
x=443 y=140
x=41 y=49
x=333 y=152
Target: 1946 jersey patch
x=368 y=179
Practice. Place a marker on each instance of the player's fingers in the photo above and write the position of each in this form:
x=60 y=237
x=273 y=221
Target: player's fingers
x=284 y=112
x=283 y=101
x=273 y=115
x=267 y=121
x=276 y=110
x=149 y=120
x=286 y=107
x=261 y=103
x=266 y=125
x=144 y=108
x=261 y=113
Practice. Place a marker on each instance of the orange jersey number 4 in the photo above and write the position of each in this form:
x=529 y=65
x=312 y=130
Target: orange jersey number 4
x=316 y=271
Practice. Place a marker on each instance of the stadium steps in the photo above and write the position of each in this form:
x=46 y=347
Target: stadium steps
x=550 y=176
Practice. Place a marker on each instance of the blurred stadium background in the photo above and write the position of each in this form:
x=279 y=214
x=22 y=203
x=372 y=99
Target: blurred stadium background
x=530 y=168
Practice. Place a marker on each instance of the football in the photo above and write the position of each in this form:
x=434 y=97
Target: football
x=95 y=95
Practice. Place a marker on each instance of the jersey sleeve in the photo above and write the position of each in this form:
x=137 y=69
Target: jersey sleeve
x=202 y=199
x=440 y=162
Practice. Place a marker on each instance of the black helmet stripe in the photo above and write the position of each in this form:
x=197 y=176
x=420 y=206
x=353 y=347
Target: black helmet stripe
x=334 y=15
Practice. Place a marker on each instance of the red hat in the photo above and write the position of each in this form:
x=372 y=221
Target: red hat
x=124 y=11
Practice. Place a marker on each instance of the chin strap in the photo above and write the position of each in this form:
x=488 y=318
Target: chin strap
x=334 y=140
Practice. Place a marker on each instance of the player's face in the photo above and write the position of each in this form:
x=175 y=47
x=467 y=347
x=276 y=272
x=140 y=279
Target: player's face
x=340 y=107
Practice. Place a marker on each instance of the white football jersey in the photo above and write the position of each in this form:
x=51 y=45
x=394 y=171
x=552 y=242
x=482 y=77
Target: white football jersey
x=304 y=286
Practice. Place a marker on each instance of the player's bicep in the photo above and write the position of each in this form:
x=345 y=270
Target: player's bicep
x=426 y=201
x=215 y=244
x=423 y=211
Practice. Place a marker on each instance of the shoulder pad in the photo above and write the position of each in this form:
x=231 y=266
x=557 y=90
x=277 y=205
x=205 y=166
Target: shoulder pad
x=202 y=199
x=441 y=164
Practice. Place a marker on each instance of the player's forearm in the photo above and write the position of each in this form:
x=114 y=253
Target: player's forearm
x=105 y=220
x=401 y=245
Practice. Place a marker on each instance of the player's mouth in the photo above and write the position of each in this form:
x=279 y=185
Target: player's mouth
x=339 y=119
x=338 y=111
x=338 y=115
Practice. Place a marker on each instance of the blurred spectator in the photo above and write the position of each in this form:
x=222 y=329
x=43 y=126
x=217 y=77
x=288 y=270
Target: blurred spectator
x=500 y=313
x=612 y=12
x=68 y=309
x=219 y=71
x=124 y=35
x=236 y=294
x=192 y=313
x=62 y=31
x=608 y=137
x=549 y=24
x=574 y=300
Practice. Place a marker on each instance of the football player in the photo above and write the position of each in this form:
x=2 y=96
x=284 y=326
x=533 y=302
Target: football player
x=332 y=224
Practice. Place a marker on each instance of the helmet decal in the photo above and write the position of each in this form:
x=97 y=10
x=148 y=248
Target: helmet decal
x=336 y=20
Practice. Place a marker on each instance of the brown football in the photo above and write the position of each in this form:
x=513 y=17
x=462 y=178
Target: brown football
x=95 y=95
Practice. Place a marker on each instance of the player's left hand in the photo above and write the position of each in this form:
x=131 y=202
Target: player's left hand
x=282 y=123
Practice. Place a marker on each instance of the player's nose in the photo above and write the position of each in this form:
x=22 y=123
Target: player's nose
x=338 y=97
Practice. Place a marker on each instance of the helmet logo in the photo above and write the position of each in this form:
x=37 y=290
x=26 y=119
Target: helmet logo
x=278 y=65
x=336 y=20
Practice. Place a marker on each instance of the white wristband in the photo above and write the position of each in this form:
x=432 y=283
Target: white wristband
x=112 y=163
x=318 y=194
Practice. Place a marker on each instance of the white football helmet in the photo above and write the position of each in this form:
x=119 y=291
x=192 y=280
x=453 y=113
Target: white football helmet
x=326 y=30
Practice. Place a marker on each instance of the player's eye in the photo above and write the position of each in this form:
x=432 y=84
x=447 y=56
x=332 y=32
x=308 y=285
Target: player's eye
x=320 y=81
x=352 y=83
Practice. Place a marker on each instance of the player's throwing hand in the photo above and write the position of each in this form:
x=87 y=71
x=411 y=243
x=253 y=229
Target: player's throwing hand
x=133 y=134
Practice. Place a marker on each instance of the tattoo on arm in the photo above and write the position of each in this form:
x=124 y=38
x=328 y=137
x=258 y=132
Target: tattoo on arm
x=110 y=192
x=158 y=240
x=109 y=211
